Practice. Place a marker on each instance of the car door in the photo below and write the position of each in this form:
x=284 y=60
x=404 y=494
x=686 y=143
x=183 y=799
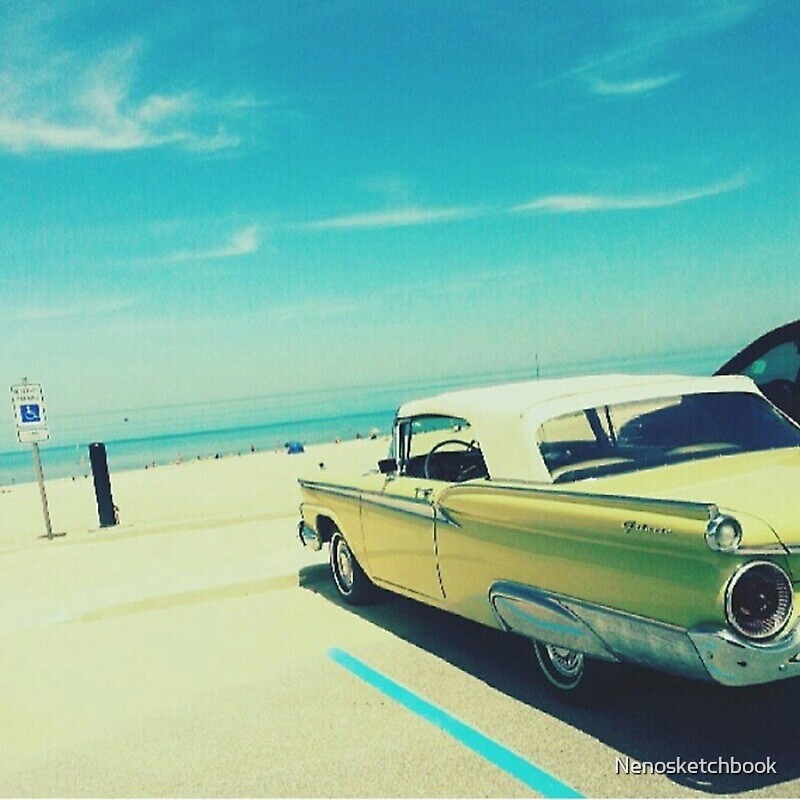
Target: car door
x=397 y=521
x=773 y=362
x=397 y=516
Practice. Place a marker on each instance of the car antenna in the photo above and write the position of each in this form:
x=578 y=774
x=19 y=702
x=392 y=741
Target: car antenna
x=537 y=366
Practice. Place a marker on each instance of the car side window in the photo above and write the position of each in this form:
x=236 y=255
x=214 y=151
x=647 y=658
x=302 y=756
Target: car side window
x=780 y=363
x=439 y=448
x=777 y=373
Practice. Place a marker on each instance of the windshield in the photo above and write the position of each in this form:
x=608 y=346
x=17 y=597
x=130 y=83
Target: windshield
x=632 y=436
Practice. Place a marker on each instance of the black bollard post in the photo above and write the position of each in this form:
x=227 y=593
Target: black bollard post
x=102 y=485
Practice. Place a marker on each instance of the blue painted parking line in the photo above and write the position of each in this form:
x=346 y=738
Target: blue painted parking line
x=507 y=760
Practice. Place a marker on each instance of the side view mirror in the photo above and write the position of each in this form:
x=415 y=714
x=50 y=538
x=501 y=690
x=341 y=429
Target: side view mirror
x=387 y=465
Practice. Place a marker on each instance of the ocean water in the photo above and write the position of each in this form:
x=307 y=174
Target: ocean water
x=161 y=435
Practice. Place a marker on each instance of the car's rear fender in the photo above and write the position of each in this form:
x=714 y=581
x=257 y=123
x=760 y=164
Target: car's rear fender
x=646 y=557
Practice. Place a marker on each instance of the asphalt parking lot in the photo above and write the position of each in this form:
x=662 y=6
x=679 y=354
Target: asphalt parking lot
x=252 y=678
x=487 y=679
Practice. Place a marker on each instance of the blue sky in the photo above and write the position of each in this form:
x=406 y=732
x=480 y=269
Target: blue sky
x=219 y=200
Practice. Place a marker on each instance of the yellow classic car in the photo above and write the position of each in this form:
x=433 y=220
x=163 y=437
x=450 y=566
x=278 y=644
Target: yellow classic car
x=651 y=520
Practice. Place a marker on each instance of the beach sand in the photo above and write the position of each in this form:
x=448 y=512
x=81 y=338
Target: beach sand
x=168 y=655
x=251 y=486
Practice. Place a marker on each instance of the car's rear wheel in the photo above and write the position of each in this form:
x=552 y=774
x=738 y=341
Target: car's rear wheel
x=351 y=581
x=573 y=676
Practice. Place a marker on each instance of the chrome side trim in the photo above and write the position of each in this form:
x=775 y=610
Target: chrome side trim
x=416 y=508
x=643 y=641
x=532 y=613
x=681 y=508
x=443 y=516
x=596 y=630
x=330 y=488
x=678 y=508
x=765 y=550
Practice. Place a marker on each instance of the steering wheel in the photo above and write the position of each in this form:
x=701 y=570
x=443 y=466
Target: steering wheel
x=464 y=471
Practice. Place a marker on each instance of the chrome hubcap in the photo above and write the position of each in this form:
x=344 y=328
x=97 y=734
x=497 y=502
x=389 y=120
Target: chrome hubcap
x=344 y=565
x=568 y=663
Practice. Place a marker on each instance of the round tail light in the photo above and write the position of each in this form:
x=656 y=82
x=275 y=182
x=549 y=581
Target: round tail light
x=759 y=599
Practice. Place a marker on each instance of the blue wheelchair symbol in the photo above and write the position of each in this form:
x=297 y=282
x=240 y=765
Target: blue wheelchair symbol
x=30 y=413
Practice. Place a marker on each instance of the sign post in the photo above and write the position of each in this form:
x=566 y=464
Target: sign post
x=27 y=401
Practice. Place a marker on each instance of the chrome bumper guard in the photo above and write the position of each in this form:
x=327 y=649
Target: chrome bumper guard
x=733 y=661
x=308 y=536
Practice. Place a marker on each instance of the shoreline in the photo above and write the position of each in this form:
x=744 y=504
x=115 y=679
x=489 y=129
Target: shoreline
x=196 y=491
x=78 y=470
x=134 y=451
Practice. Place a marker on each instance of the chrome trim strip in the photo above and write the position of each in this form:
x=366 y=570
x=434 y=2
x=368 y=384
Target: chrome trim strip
x=330 y=488
x=620 y=635
x=681 y=508
x=443 y=516
x=418 y=508
x=537 y=615
x=642 y=640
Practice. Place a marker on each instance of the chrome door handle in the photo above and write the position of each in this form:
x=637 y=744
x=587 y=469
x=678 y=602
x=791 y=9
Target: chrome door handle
x=422 y=493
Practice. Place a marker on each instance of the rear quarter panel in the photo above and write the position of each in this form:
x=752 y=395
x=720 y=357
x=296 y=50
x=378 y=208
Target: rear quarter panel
x=581 y=549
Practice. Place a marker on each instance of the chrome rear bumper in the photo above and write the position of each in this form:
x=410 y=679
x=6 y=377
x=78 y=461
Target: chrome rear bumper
x=733 y=661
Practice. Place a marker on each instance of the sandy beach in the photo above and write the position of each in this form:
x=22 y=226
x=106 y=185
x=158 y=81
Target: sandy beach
x=152 y=631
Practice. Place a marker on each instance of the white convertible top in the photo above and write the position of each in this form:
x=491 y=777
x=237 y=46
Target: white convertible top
x=505 y=418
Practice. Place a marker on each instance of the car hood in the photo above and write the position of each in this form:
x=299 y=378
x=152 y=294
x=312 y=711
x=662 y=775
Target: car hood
x=764 y=485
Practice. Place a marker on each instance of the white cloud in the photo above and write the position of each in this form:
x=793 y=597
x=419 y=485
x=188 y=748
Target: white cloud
x=242 y=243
x=53 y=99
x=85 y=308
x=396 y=218
x=647 y=36
x=576 y=203
x=549 y=204
x=639 y=86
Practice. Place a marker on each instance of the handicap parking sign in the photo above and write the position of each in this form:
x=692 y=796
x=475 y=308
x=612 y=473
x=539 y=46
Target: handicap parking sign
x=30 y=413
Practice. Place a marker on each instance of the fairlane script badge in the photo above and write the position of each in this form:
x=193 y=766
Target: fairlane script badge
x=640 y=527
